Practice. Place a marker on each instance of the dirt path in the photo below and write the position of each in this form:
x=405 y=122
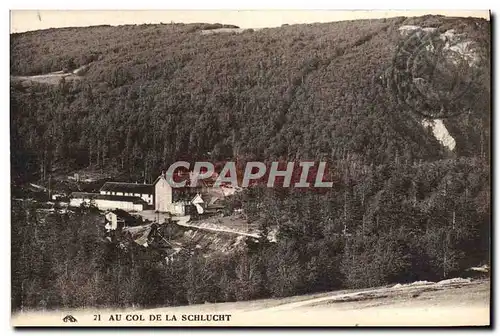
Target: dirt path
x=397 y=292
x=253 y=235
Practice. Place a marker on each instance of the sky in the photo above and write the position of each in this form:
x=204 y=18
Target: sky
x=27 y=20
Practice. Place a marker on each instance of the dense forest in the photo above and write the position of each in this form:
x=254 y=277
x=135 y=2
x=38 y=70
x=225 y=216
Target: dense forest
x=156 y=93
x=391 y=224
x=404 y=207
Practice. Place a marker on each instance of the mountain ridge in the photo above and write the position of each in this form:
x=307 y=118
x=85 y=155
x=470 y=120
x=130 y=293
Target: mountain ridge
x=308 y=91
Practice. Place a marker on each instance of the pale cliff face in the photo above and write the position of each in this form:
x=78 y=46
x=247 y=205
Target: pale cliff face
x=456 y=48
x=440 y=132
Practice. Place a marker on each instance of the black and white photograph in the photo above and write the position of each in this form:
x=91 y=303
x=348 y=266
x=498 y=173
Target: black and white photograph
x=250 y=168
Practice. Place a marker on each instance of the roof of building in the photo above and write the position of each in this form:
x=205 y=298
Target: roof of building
x=197 y=199
x=157 y=179
x=86 y=195
x=122 y=213
x=125 y=187
x=183 y=194
x=184 y=176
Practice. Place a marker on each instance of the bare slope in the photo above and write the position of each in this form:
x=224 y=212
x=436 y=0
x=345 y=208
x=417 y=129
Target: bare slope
x=460 y=303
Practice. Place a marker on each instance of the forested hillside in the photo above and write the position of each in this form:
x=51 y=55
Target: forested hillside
x=156 y=93
x=404 y=207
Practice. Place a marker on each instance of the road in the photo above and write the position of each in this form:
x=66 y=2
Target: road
x=223 y=230
x=152 y=216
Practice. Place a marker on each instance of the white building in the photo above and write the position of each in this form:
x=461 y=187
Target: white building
x=163 y=194
x=144 y=191
x=138 y=197
x=117 y=219
x=108 y=202
x=176 y=201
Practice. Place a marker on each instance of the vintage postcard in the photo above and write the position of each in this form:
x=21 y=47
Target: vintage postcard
x=250 y=168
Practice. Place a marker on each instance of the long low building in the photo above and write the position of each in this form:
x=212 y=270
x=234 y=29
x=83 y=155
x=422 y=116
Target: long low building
x=108 y=202
x=159 y=196
x=144 y=191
